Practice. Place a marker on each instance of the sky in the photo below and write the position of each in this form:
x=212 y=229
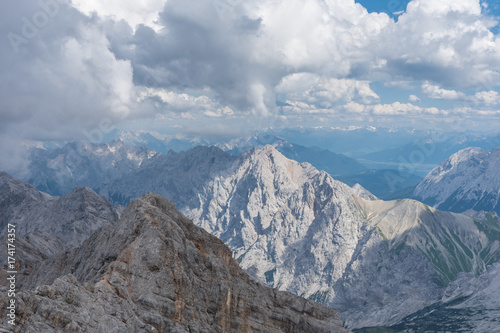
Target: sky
x=77 y=69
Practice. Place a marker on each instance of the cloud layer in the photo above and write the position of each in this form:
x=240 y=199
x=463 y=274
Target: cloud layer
x=73 y=69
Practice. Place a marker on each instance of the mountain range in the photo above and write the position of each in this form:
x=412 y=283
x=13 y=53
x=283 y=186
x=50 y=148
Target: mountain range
x=60 y=170
x=297 y=229
x=45 y=225
x=355 y=141
x=158 y=142
x=73 y=217
x=390 y=183
x=321 y=159
x=50 y=170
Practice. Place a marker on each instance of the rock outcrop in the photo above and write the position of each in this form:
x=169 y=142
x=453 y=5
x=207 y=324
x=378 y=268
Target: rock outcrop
x=155 y=271
x=471 y=304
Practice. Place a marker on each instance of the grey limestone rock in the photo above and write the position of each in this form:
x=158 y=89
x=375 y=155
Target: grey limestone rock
x=155 y=271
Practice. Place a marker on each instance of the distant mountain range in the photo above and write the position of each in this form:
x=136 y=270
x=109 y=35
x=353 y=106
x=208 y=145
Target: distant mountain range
x=60 y=170
x=321 y=159
x=386 y=184
x=423 y=154
x=158 y=142
x=296 y=228
x=388 y=162
x=404 y=149
x=352 y=141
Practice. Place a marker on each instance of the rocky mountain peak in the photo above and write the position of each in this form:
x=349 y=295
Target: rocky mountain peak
x=82 y=191
x=269 y=162
x=363 y=192
x=70 y=218
x=298 y=229
x=14 y=189
x=466 y=180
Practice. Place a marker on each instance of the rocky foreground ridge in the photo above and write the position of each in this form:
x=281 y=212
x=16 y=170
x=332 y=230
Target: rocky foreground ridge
x=155 y=271
x=71 y=218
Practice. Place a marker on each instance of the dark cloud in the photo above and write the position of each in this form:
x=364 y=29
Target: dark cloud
x=58 y=76
x=197 y=50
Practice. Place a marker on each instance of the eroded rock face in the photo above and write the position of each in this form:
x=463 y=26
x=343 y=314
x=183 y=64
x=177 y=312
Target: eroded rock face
x=155 y=271
x=71 y=218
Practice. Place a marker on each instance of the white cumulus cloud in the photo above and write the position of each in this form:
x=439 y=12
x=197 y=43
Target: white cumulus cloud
x=487 y=97
x=414 y=99
x=325 y=92
x=435 y=92
x=134 y=12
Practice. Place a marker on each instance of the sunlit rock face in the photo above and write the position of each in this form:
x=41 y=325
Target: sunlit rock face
x=467 y=180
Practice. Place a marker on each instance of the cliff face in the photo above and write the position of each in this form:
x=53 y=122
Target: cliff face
x=155 y=271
